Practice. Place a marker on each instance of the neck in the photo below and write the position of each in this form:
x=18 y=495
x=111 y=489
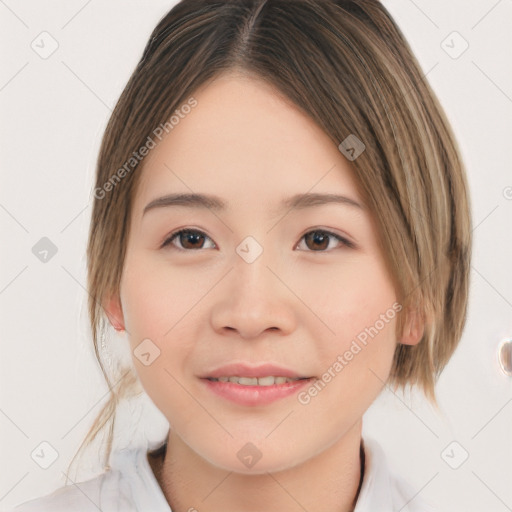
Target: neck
x=332 y=478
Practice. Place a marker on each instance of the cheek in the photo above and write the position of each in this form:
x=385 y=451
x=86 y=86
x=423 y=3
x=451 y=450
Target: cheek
x=361 y=311
x=355 y=365
x=157 y=303
x=155 y=329
x=155 y=296
x=354 y=298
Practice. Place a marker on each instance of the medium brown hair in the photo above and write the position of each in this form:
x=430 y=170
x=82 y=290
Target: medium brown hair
x=347 y=66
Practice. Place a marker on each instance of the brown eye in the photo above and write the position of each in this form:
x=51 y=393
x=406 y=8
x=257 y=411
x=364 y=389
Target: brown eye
x=319 y=240
x=189 y=239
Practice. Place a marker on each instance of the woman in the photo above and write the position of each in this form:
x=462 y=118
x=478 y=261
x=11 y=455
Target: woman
x=281 y=227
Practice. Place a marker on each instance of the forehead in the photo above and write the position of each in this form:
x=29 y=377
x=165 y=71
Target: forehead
x=244 y=140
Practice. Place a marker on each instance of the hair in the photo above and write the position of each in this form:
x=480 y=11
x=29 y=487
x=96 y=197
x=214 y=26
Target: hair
x=346 y=65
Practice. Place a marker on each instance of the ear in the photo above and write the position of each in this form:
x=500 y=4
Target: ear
x=413 y=328
x=114 y=312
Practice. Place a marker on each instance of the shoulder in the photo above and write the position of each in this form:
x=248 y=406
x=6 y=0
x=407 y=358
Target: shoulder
x=406 y=497
x=385 y=490
x=106 y=492
x=129 y=485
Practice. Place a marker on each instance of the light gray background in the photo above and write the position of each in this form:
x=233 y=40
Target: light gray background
x=53 y=113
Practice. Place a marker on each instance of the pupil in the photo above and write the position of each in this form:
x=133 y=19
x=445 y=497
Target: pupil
x=318 y=237
x=192 y=237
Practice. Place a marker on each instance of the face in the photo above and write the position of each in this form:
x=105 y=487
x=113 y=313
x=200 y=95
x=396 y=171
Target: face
x=259 y=281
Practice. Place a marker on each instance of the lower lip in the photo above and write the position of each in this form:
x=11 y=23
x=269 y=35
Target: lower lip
x=255 y=395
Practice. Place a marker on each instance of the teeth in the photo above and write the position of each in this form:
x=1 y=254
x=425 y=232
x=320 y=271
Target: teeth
x=269 y=381
x=254 y=381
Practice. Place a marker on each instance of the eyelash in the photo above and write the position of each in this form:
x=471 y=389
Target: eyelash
x=167 y=243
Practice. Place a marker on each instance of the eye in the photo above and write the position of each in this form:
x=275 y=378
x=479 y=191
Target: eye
x=320 y=239
x=188 y=239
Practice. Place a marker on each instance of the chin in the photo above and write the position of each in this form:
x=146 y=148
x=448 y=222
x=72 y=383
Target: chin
x=250 y=458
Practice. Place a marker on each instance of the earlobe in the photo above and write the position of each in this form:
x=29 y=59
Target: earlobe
x=413 y=328
x=114 y=313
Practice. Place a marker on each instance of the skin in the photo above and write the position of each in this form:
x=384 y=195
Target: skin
x=300 y=304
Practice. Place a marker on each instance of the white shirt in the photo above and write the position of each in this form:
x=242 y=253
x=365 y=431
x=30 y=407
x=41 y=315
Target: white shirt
x=131 y=486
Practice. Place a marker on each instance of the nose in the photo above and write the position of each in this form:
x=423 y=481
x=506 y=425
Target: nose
x=253 y=298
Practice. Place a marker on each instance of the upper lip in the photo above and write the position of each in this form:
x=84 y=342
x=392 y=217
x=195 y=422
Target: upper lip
x=247 y=370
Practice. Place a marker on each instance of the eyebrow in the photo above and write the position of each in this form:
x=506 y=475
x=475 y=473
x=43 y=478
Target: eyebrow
x=298 y=201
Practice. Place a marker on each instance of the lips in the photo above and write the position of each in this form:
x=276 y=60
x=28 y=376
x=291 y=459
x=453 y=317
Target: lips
x=247 y=394
x=250 y=371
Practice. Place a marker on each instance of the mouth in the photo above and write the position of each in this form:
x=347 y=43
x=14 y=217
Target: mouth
x=265 y=381
x=254 y=391
x=266 y=374
x=244 y=384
